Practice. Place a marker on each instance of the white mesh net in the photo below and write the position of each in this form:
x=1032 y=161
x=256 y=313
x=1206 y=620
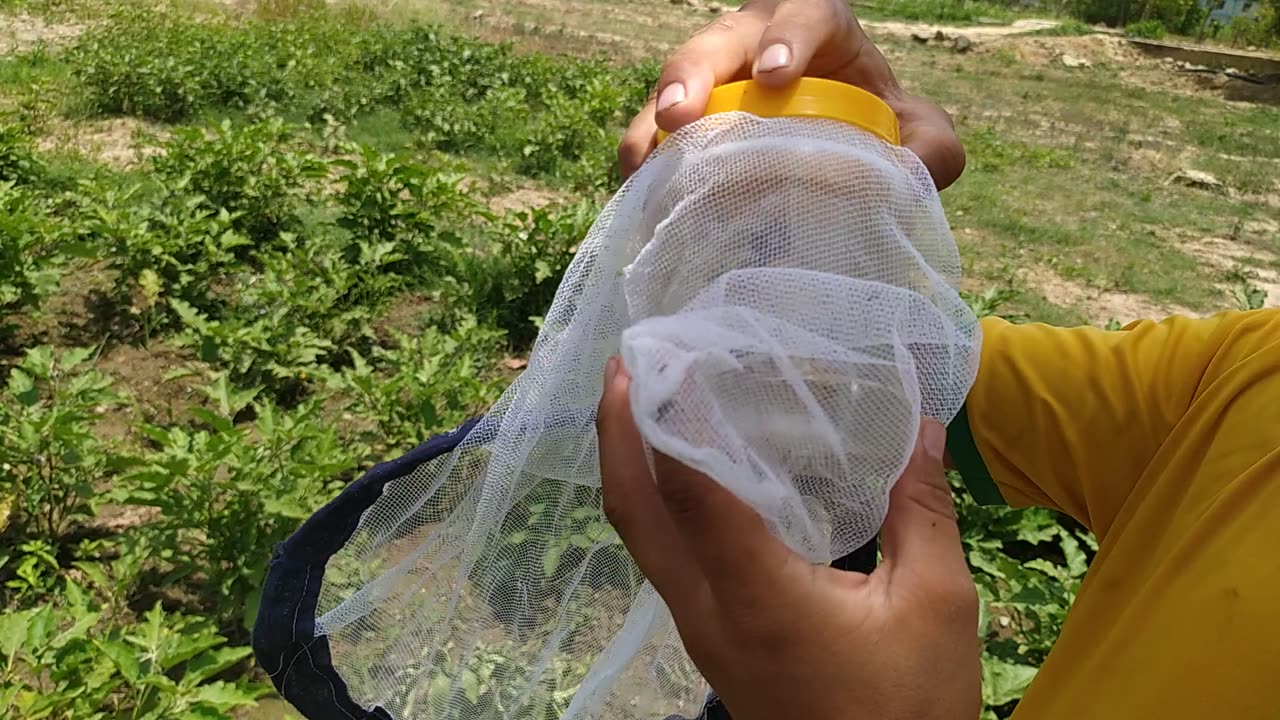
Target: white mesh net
x=782 y=292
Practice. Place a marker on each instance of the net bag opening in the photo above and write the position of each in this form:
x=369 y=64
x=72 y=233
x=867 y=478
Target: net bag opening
x=783 y=293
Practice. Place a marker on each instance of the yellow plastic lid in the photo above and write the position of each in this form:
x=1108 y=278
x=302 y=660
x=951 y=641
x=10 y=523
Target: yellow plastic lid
x=807 y=97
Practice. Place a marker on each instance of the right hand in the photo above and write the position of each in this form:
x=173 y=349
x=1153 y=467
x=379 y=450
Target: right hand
x=775 y=635
x=776 y=42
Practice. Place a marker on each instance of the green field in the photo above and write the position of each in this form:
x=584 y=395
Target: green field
x=249 y=249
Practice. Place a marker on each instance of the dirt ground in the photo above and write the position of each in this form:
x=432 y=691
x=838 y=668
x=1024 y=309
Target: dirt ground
x=118 y=142
x=20 y=33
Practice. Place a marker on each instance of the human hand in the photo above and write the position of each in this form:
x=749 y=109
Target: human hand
x=776 y=636
x=776 y=42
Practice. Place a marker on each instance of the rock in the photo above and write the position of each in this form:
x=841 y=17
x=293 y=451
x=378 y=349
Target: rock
x=920 y=38
x=716 y=8
x=1197 y=179
x=961 y=44
x=1072 y=61
x=940 y=36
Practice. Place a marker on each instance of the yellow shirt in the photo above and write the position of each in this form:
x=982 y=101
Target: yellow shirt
x=1163 y=439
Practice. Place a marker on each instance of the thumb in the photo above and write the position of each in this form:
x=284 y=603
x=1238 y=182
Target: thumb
x=919 y=537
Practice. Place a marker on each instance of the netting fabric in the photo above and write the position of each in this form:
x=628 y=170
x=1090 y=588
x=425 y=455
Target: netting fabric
x=783 y=293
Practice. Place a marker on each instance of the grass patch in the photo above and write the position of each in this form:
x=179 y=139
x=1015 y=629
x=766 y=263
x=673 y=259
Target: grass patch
x=1252 y=131
x=949 y=11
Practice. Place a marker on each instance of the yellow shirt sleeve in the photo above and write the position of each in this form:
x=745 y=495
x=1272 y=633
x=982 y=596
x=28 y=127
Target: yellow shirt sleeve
x=1164 y=439
x=1070 y=418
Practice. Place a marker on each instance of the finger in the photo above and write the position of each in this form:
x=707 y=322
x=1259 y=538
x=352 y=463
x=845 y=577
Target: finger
x=920 y=539
x=721 y=53
x=821 y=38
x=927 y=130
x=640 y=139
x=731 y=543
x=631 y=500
x=799 y=31
x=824 y=39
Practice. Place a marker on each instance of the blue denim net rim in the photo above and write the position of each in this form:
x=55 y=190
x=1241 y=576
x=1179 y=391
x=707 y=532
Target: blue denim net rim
x=284 y=642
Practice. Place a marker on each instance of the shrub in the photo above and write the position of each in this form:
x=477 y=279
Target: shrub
x=166 y=65
x=404 y=217
x=957 y=11
x=164 y=249
x=422 y=384
x=256 y=173
x=1147 y=30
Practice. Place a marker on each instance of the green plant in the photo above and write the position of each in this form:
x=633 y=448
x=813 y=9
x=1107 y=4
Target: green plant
x=165 y=250
x=1028 y=566
x=989 y=302
x=35 y=569
x=1262 y=29
x=166 y=65
x=51 y=460
x=19 y=163
x=1146 y=29
x=229 y=493
x=60 y=665
x=31 y=260
x=423 y=384
x=512 y=277
x=957 y=11
x=1249 y=296
x=586 y=528
x=274 y=349
x=404 y=218
x=253 y=172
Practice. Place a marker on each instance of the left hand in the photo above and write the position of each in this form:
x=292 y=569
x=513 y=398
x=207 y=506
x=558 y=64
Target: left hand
x=775 y=42
x=778 y=637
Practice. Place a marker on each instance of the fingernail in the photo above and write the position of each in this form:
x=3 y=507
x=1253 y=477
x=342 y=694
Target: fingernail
x=934 y=438
x=774 y=57
x=671 y=96
x=610 y=369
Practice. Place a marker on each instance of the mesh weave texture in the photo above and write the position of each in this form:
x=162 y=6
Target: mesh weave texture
x=783 y=293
